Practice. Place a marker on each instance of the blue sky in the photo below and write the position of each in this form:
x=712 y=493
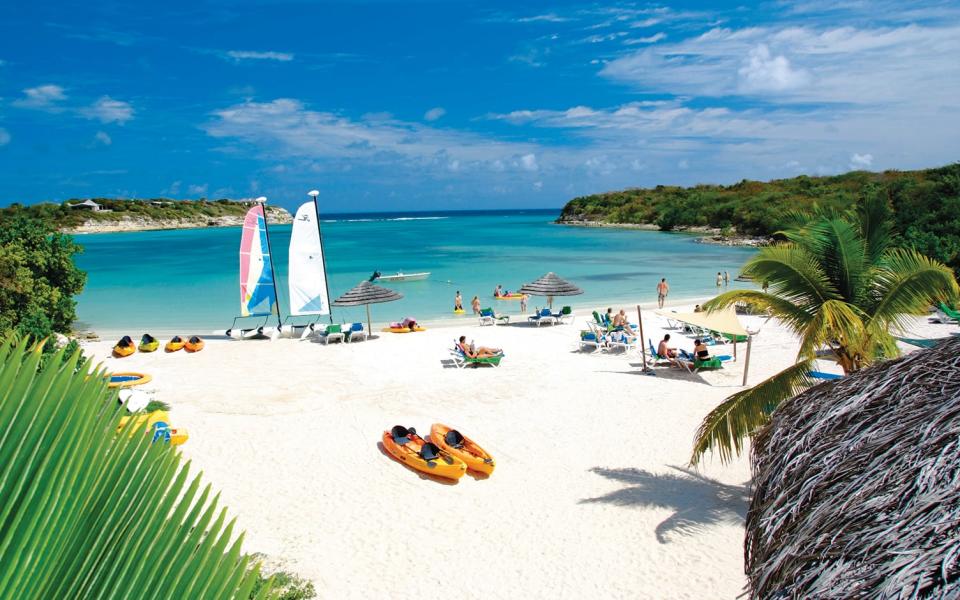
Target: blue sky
x=460 y=105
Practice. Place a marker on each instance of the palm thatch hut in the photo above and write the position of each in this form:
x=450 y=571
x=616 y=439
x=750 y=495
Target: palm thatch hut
x=365 y=294
x=857 y=486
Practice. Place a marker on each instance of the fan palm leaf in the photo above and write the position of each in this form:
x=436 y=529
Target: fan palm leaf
x=87 y=512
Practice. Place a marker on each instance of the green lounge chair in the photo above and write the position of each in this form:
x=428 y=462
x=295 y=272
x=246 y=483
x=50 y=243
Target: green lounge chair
x=953 y=314
x=462 y=360
x=333 y=333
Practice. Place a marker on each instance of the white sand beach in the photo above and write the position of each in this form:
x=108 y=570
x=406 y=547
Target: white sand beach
x=591 y=496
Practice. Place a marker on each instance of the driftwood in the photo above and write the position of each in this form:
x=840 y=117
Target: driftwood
x=857 y=486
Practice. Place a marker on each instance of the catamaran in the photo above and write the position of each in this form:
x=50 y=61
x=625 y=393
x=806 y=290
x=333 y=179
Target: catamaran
x=258 y=288
x=309 y=294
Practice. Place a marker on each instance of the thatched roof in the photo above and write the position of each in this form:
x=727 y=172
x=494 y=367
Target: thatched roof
x=551 y=285
x=367 y=293
x=858 y=486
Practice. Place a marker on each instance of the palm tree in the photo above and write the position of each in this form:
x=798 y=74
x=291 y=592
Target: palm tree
x=87 y=512
x=839 y=284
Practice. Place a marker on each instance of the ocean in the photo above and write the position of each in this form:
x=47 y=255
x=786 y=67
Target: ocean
x=187 y=280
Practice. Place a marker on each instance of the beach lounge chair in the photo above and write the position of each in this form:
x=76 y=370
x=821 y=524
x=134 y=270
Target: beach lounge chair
x=620 y=340
x=489 y=317
x=566 y=313
x=333 y=333
x=461 y=360
x=592 y=339
x=714 y=362
x=355 y=333
x=945 y=314
x=542 y=316
x=658 y=360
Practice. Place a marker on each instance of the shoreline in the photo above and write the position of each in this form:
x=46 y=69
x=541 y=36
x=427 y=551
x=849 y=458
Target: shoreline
x=130 y=224
x=448 y=322
x=707 y=235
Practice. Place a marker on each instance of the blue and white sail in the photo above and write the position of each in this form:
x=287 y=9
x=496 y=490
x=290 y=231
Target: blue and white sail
x=308 y=277
x=257 y=292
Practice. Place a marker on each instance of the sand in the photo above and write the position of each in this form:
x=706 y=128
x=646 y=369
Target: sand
x=591 y=496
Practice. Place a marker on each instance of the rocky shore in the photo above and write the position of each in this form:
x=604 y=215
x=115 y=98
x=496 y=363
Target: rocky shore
x=710 y=235
x=275 y=214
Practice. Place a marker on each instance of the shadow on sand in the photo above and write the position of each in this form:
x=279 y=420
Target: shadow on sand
x=696 y=501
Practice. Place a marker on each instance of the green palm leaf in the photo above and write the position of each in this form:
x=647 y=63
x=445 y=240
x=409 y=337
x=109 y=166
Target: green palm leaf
x=726 y=427
x=86 y=512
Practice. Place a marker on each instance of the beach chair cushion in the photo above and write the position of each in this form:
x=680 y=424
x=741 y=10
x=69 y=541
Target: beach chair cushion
x=333 y=329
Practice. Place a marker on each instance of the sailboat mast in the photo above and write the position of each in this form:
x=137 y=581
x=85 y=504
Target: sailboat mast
x=262 y=201
x=323 y=255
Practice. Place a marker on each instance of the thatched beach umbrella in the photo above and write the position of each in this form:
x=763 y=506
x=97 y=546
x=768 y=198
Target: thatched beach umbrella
x=550 y=285
x=366 y=294
x=856 y=486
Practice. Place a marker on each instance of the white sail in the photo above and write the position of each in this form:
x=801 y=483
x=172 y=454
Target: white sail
x=308 y=280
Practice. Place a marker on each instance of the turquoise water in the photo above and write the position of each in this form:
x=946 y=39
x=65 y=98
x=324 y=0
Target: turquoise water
x=187 y=279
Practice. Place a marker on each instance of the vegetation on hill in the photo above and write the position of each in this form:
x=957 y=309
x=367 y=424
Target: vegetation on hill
x=62 y=216
x=38 y=278
x=925 y=205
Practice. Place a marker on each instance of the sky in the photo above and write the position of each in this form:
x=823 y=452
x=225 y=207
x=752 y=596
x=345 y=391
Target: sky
x=465 y=105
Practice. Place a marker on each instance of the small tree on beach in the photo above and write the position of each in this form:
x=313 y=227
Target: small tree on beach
x=839 y=284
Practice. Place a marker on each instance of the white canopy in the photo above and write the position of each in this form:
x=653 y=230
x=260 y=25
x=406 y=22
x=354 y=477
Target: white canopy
x=724 y=321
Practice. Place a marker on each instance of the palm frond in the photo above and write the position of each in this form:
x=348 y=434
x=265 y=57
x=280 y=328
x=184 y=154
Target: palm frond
x=908 y=283
x=875 y=221
x=87 y=512
x=793 y=274
x=840 y=252
x=835 y=321
x=725 y=428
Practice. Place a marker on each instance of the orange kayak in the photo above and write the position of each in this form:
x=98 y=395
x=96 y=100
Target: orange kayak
x=124 y=347
x=175 y=343
x=452 y=441
x=194 y=344
x=412 y=450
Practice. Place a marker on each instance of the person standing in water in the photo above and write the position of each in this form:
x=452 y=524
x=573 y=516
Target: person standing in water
x=523 y=303
x=458 y=302
x=719 y=279
x=475 y=305
x=662 y=290
x=726 y=278
x=498 y=291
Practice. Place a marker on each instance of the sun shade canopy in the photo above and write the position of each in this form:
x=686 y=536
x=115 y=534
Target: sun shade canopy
x=722 y=321
x=367 y=293
x=551 y=285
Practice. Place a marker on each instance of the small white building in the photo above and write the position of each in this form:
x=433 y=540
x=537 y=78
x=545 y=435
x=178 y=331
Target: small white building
x=86 y=205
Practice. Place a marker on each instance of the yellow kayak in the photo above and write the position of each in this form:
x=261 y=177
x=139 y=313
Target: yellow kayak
x=412 y=450
x=158 y=422
x=460 y=446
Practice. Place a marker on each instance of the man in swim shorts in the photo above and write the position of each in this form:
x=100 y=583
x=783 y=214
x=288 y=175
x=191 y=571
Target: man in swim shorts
x=662 y=290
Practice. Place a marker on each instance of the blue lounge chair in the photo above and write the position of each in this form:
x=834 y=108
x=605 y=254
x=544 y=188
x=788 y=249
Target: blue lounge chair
x=542 y=316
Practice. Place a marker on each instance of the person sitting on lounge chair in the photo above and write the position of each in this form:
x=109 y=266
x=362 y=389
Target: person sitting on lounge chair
x=620 y=321
x=481 y=352
x=700 y=350
x=664 y=348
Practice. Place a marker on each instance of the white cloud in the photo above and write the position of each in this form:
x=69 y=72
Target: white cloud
x=646 y=40
x=545 y=18
x=529 y=162
x=43 y=97
x=285 y=127
x=861 y=161
x=829 y=64
x=197 y=190
x=108 y=110
x=4 y=137
x=101 y=137
x=434 y=113
x=239 y=55
x=763 y=72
